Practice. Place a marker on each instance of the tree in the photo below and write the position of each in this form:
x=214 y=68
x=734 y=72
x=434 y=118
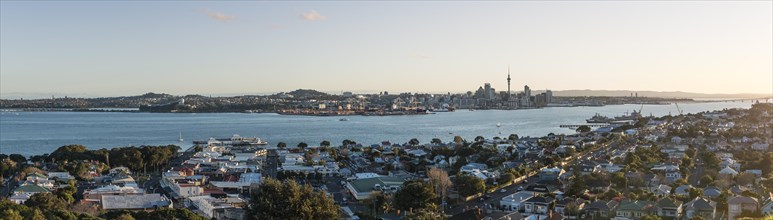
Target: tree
x=37 y=215
x=424 y=214
x=414 y=194
x=11 y=214
x=18 y=158
x=413 y=142
x=513 y=137
x=436 y=141
x=469 y=185
x=745 y=178
x=125 y=216
x=45 y=201
x=378 y=200
x=583 y=129
x=650 y=217
x=458 y=140
x=324 y=143
x=479 y=138
x=439 y=180
x=302 y=145
x=506 y=178
x=706 y=180
x=289 y=200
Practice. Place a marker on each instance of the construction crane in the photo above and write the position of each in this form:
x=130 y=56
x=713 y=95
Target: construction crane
x=677 y=108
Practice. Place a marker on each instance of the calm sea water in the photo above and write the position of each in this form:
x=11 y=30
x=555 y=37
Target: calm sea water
x=32 y=133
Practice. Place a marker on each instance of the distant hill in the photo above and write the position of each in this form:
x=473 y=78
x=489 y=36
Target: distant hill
x=307 y=93
x=675 y=94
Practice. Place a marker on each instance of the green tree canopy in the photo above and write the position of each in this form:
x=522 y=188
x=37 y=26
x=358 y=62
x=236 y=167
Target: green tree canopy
x=415 y=194
x=45 y=202
x=289 y=200
x=583 y=129
x=468 y=185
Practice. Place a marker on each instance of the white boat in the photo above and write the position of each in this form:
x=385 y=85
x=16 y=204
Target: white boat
x=181 y=137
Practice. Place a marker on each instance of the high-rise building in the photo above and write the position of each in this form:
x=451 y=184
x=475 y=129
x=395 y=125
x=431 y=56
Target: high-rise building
x=488 y=91
x=548 y=96
x=527 y=95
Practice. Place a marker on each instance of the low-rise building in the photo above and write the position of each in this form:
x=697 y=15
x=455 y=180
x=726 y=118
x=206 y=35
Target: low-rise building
x=362 y=188
x=135 y=202
x=95 y=195
x=514 y=201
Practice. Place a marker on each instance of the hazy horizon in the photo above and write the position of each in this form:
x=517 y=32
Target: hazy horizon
x=130 y=48
x=84 y=95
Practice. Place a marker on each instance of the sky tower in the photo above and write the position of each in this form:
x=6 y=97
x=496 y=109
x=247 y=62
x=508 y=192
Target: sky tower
x=508 y=82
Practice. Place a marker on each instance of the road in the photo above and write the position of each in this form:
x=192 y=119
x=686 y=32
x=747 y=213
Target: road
x=491 y=200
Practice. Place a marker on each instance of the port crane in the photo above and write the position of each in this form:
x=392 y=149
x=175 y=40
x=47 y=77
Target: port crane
x=677 y=108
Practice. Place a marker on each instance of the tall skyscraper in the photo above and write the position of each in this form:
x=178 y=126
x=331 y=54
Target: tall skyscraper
x=488 y=91
x=527 y=95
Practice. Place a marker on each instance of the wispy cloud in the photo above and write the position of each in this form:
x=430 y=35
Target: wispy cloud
x=312 y=16
x=218 y=16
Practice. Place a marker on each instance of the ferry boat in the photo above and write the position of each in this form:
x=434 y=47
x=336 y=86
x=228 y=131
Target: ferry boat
x=599 y=119
x=343 y=119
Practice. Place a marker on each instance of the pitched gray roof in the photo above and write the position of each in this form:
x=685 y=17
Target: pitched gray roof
x=699 y=204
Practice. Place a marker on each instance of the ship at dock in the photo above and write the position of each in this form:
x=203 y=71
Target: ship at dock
x=234 y=140
x=599 y=119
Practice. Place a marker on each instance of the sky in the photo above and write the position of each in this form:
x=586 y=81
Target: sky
x=89 y=48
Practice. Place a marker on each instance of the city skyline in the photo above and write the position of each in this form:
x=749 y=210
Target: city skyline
x=127 y=48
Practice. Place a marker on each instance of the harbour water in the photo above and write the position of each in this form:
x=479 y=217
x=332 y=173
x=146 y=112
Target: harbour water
x=33 y=133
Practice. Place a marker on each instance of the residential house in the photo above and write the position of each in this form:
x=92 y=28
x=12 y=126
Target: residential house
x=600 y=209
x=537 y=189
x=699 y=207
x=95 y=195
x=667 y=207
x=24 y=192
x=728 y=171
x=767 y=205
x=550 y=174
x=634 y=209
x=683 y=190
x=514 y=201
x=569 y=207
x=537 y=205
x=737 y=204
x=62 y=176
x=711 y=192
x=661 y=190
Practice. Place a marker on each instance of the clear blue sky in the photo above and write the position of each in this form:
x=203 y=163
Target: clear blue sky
x=127 y=48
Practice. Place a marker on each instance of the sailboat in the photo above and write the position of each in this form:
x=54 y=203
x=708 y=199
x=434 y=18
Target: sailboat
x=181 y=137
